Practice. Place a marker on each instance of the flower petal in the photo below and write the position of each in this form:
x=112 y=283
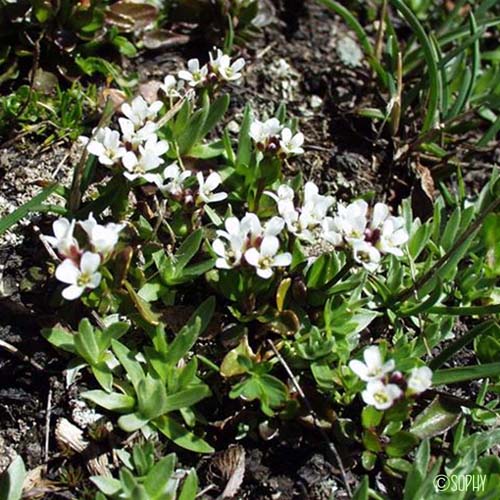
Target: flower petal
x=90 y=262
x=67 y=272
x=72 y=292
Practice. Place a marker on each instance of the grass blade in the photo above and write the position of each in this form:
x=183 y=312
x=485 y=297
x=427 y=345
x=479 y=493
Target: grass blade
x=431 y=57
x=31 y=206
x=463 y=374
x=353 y=23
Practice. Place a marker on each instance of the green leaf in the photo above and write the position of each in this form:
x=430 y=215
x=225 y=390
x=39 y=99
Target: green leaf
x=217 y=111
x=157 y=480
x=361 y=492
x=180 y=436
x=371 y=417
x=440 y=416
x=142 y=306
x=151 y=397
x=103 y=375
x=31 y=206
x=11 y=481
x=187 y=250
x=60 y=338
x=190 y=486
x=132 y=422
x=192 y=133
x=244 y=141
x=431 y=58
x=413 y=309
x=108 y=485
x=462 y=374
x=401 y=443
x=85 y=342
x=418 y=472
x=419 y=240
x=114 y=401
x=130 y=364
x=457 y=344
x=186 y=398
x=190 y=332
x=115 y=331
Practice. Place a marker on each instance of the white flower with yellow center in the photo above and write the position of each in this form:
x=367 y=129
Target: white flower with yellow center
x=380 y=395
x=79 y=277
x=267 y=257
x=373 y=368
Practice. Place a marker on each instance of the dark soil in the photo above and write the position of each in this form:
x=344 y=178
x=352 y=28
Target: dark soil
x=295 y=60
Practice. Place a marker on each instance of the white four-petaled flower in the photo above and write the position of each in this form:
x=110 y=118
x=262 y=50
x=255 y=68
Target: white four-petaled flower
x=373 y=368
x=79 y=276
x=420 y=380
x=261 y=132
x=171 y=86
x=63 y=240
x=139 y=111
x=148 y=158
x=291 y=144
x=171 y=180
x=194 y=75
x=103 y=239
x=208 y=186
x=267 y=257
x=106 y=145
x=381 y=396
x=222 y=66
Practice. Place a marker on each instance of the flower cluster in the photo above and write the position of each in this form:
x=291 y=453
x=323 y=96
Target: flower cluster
x=384 y=388
x=218 y=70
x=79 y=268
x=273 y=138
x=369 y=234
x=246 y=241
x=137 y=146
x=140 y=151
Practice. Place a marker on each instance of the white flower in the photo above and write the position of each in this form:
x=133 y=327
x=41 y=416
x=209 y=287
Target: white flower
x=171 y=86
x=316 y=203
x=139 y=111
x=102 y=238
x=148 y=158
x=250 y=230
x=366 y=254
x=380 y=395
x=312 y=214
x=79 y=277
x=420 y=380
x=373 y=368
x=229 y=251
x=136 y=136
x=221 y=65
x=291 y=144
x=63 y=240
x=175 y=177
x=266 y=257
x=106 y=145
x=388 y=232
x=208 y=186
x=284 y=197
x=194 y=75
x=261 y=132
x=330 y=231
x=351 y=220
